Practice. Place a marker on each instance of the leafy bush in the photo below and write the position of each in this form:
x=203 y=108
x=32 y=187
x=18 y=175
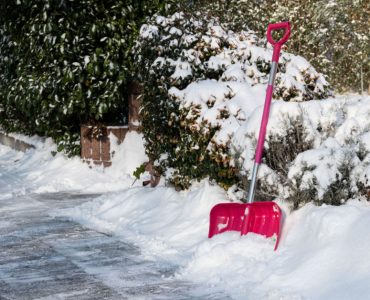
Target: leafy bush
x=63 y=63
x=201 y=81
x=331 y=35
x=317 y=151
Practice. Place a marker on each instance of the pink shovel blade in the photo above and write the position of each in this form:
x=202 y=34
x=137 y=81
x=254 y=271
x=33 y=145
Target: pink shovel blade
x=259 y=217
x=226 y=217
x=263 y=218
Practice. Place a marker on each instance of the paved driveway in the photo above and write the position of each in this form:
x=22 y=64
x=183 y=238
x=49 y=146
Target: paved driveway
x=42 y=257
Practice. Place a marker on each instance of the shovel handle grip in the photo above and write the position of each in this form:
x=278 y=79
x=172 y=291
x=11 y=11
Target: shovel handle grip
x=278 y=26
x=277 y=44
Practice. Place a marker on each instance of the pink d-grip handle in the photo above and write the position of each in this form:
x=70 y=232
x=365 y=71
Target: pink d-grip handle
x=277 y=44
x=278 y=26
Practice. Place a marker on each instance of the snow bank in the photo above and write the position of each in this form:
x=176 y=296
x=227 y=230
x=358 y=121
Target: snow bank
x=166 y=224
x=39 y=171
x=315 y=261
x=323 y=253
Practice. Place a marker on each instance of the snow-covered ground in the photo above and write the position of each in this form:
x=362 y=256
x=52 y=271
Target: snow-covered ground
x=323 y=253
x=38 y=171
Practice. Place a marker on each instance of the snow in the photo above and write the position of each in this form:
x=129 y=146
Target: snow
x=149 y=31
x=323 y=252
x=38 y=171
x=336 y=127
x=315 y=259
x=239 y=99
x=242 y=99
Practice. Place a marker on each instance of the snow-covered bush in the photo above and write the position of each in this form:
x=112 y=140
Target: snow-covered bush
x=63 y=63
x=331 y=35
x=201 y=81
x=330 y=143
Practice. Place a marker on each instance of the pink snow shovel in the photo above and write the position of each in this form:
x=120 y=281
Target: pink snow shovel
x=259 y=217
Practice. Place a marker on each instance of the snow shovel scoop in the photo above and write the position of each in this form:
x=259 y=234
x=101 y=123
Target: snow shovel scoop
x=258 y=217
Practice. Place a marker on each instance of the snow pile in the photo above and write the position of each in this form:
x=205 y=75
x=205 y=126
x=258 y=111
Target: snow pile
x=127 y=156
x=315 y=259
x=166 y=224
x=43 y=169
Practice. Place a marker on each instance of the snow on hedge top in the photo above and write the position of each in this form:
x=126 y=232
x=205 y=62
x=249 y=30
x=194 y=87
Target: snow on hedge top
x=337 y=130
x=225 y=73
x=186 y=45
x=209 y=81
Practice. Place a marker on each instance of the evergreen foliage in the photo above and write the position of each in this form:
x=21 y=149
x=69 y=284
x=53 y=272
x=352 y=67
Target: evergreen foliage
x=63 y=63
x=332 y=35
x=189 y=54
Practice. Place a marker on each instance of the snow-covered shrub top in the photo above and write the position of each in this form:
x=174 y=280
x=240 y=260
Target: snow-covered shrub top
x=203 y=80
x=189 y=45
x=336 y=165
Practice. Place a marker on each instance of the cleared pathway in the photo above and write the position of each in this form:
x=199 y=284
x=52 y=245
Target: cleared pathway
x=42 y=257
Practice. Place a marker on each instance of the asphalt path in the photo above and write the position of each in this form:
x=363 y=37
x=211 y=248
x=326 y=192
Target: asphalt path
x=46 y=257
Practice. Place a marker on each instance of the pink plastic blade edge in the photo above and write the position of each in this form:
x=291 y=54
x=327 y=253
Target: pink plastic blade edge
x=263 y=218
x=226 y=217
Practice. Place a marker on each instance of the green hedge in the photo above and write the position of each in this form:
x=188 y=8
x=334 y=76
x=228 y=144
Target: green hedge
x=63 y=63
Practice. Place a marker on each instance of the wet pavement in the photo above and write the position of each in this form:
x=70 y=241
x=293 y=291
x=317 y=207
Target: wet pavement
x=45 y=257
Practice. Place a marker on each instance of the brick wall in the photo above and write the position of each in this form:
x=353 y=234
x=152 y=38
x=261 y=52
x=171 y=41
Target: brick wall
x=95 y=143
